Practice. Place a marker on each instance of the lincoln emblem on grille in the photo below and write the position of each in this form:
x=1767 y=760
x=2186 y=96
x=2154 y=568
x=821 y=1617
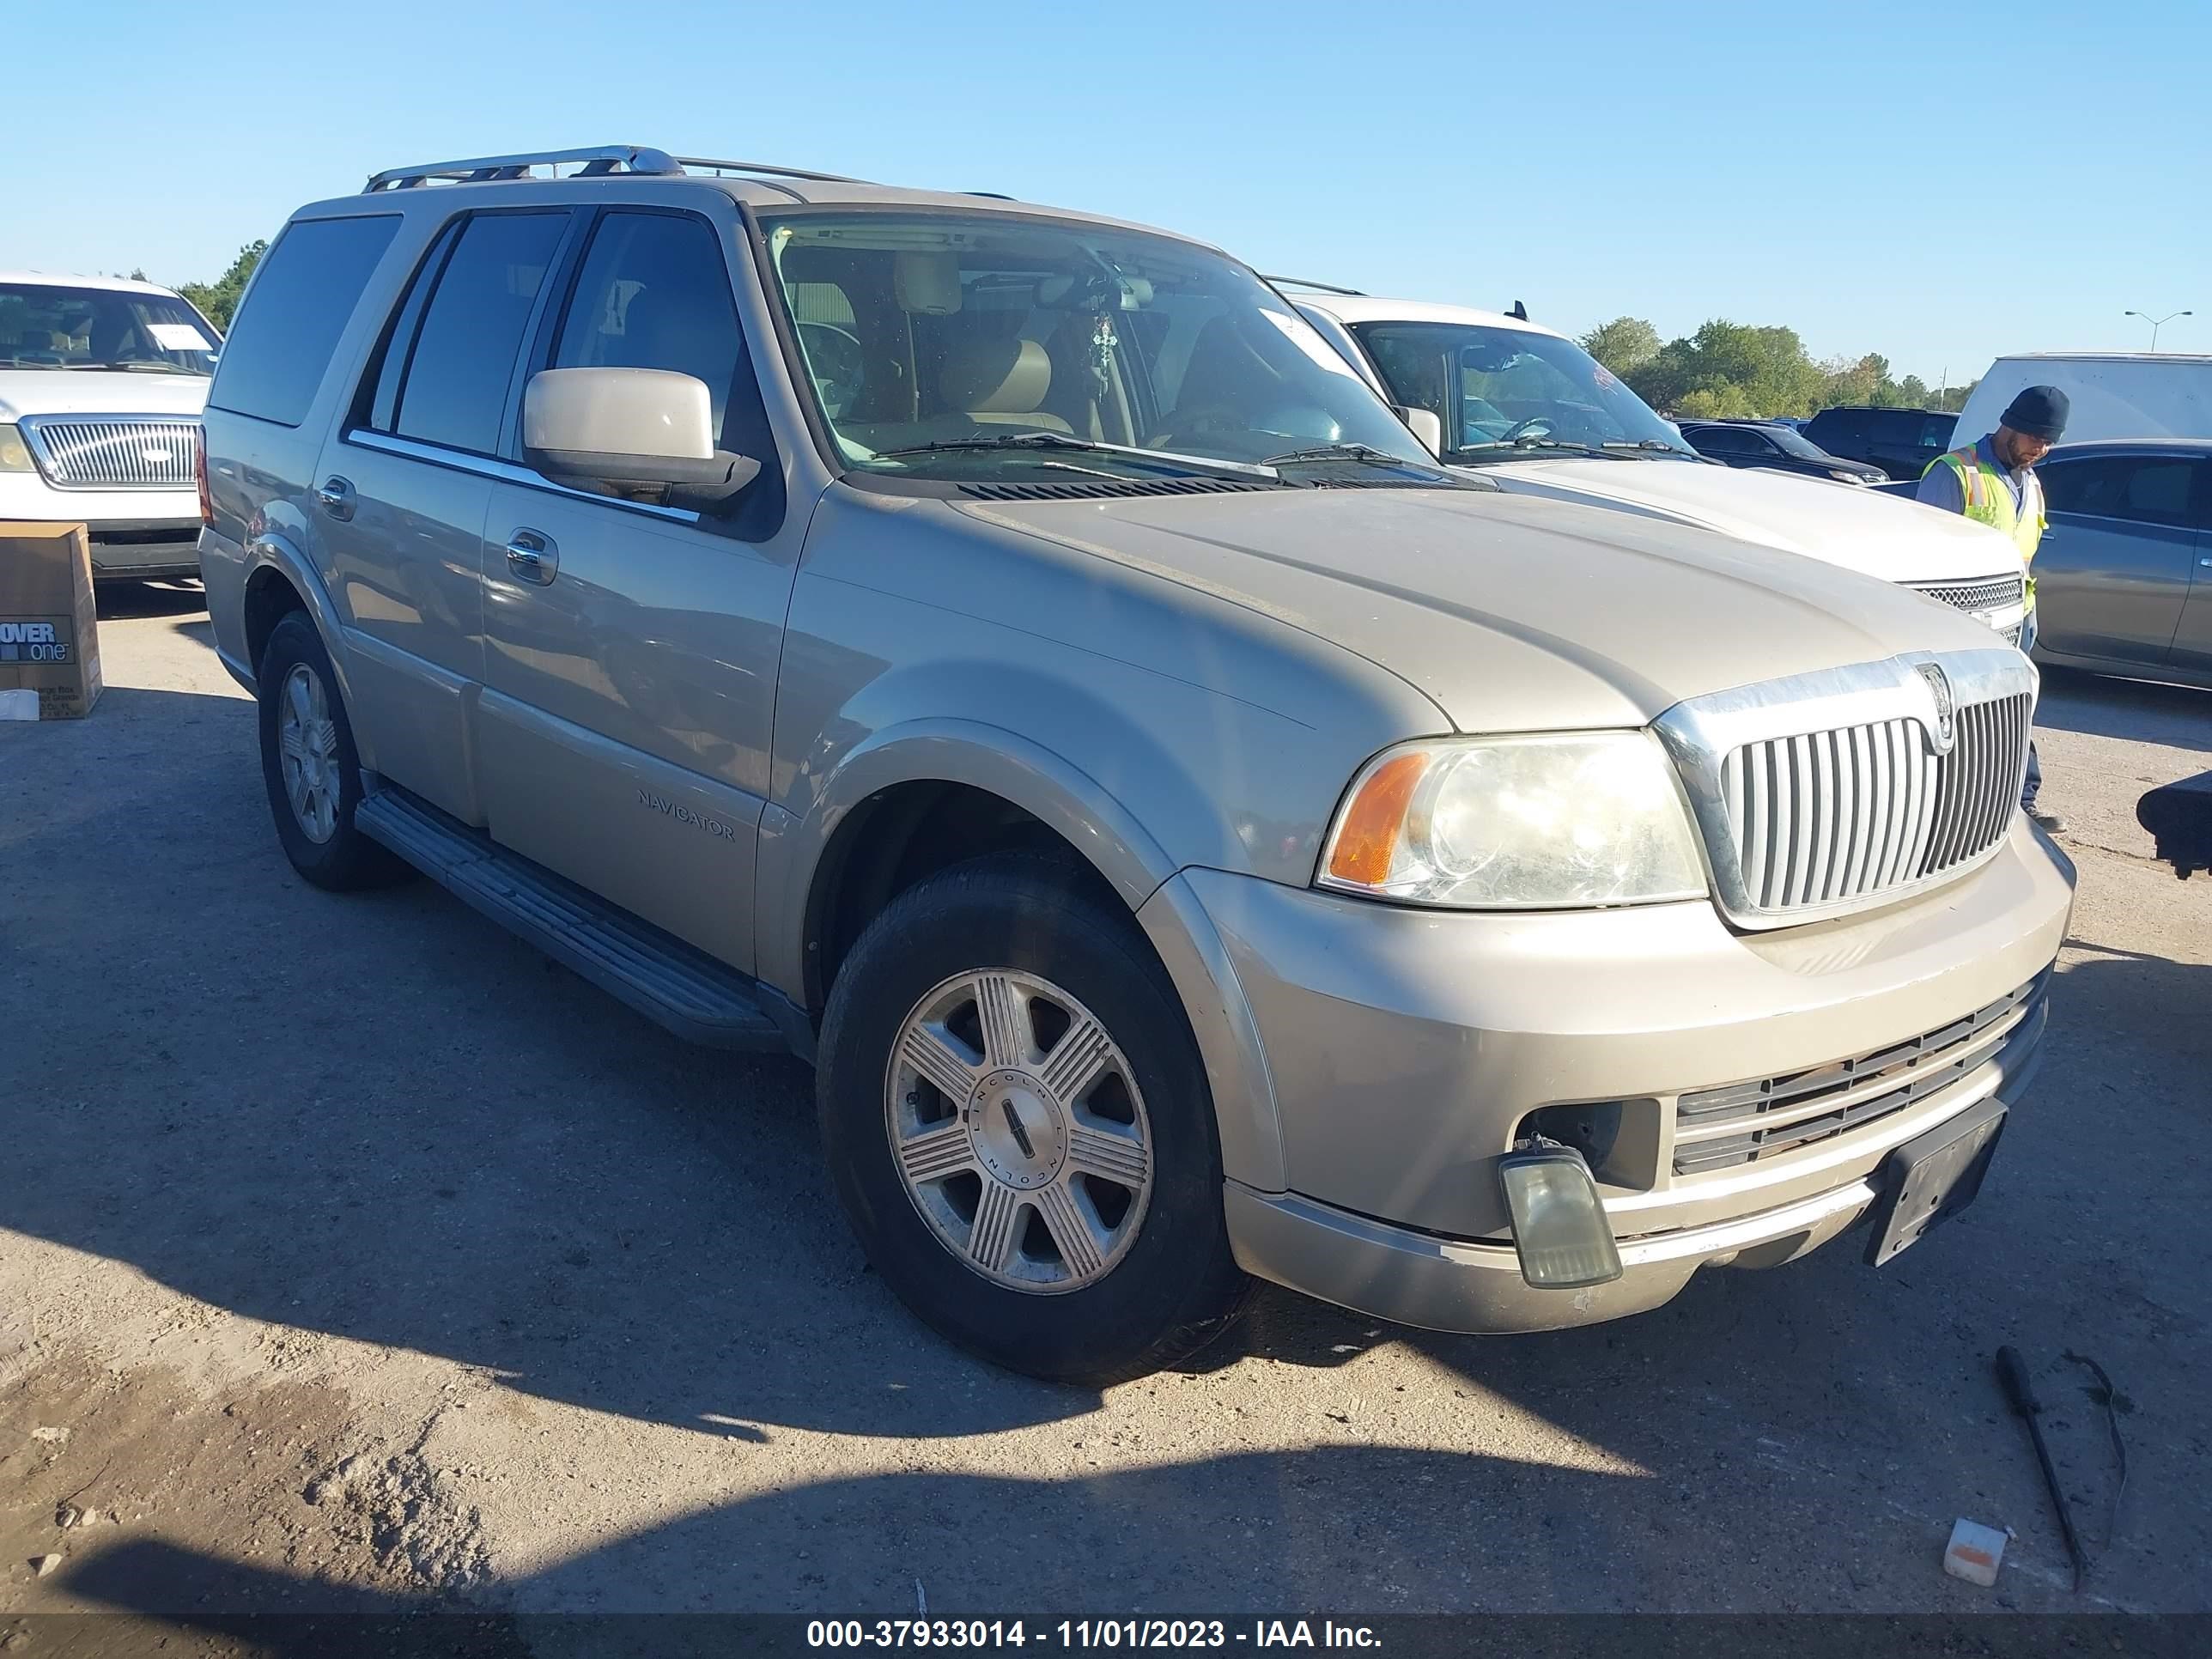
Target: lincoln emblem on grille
x=1938 y=687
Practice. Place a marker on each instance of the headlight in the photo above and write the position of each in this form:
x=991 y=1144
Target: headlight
x=1516 y=823
x=14 y=458
x=1848 y=478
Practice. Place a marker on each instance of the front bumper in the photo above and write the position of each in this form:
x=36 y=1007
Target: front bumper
x=132 y=532
x=144 y=547
x=1403 y=1049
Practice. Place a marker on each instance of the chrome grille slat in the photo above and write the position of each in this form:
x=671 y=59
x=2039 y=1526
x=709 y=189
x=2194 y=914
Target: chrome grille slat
x=1805 y=816
x=114 y=453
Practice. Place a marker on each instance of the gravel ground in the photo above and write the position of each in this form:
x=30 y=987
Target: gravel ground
x=351 y=1255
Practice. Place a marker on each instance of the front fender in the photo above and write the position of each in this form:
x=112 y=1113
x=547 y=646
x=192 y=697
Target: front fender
x=1088 y=817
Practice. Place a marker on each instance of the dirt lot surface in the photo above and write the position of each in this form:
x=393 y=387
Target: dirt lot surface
x=351 y=1255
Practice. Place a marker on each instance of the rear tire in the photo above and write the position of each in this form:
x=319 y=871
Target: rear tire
x=1056 y=1204
x=310 y=766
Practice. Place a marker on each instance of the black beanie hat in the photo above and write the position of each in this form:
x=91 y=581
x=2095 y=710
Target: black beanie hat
x=2038 y=412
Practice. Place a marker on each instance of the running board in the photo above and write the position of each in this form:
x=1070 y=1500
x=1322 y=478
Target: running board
x=665 y=980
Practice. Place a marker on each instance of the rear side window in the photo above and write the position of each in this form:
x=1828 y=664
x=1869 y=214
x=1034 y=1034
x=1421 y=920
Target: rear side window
x=301 y=298
x=453 y=389
x=1837 y=426
x=1727 y=440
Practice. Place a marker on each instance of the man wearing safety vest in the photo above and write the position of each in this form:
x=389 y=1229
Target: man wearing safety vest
x=1992 y=481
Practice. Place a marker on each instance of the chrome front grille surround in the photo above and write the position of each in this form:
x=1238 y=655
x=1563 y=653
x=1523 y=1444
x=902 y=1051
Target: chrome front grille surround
x=1829 y=792
x=114 y=451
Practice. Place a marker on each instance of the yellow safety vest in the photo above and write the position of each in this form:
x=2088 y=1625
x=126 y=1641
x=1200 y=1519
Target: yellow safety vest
x=1989 y=500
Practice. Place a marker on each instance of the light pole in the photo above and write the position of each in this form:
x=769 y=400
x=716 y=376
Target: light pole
x=2156 y=323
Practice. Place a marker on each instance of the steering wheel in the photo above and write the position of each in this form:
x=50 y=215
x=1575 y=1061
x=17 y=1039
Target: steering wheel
x=837 y=361
x=1527 y=429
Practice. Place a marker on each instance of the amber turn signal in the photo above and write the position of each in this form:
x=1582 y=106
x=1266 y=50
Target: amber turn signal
x=1373 y=820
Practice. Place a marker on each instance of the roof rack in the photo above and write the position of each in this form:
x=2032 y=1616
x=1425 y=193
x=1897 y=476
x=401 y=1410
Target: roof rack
x=1318 y=287
x=599 y=161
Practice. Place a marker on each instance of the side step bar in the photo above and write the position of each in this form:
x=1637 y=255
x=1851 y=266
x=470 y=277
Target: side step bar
x=663 y=978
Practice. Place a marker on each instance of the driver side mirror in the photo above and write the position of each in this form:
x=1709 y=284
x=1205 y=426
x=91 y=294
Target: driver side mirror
x=628 y=427
x=1423 y=423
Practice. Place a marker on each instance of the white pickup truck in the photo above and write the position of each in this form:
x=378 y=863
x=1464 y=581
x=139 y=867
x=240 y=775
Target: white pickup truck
x=1540 y=417
x=101 y=384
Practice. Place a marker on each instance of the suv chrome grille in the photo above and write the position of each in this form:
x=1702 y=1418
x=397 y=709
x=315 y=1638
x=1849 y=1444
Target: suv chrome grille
x=129 y=451
x=1844 y=814
x=1838 y=791
x=1996 y=595
x=1764 y=1117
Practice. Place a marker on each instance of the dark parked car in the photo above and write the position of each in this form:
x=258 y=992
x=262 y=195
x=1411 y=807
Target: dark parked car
x=1772 y=445
x=1900 y=441
x=2123 y=576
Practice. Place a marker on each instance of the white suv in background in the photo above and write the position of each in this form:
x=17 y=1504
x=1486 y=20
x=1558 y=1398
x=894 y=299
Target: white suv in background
x=1540 y=417
x=101 y=383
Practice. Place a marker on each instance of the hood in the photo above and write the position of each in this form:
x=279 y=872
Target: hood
x=1839 y=524
x=1512 y=614
x=98 y=391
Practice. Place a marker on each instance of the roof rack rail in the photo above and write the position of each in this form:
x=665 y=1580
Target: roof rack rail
x=1318 y=287
x=600 y=161
x=765 y=170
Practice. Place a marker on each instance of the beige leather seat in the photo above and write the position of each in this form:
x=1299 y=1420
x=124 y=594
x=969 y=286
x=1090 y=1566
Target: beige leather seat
x=1000 y=383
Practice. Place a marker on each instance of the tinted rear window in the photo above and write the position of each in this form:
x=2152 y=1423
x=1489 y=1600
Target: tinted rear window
x=1836 y=425
x=301 y=298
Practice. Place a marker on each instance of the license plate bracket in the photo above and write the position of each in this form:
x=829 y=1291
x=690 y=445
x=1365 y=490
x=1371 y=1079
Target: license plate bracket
x=1932 y=1178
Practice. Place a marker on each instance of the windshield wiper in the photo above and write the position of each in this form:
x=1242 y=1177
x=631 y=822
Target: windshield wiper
x=1366 y=453
x=1156 y=458
x=1657 y=447
x=136 y=363
x=1521 y=448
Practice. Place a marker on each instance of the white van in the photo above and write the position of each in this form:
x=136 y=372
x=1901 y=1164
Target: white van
x=1539 y=415
x=2115 y=394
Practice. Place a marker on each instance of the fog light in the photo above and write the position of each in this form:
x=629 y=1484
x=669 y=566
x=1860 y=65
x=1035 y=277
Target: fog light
x=1559 y=1228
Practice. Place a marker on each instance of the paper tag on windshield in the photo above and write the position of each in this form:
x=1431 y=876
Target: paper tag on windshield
x=178 y=337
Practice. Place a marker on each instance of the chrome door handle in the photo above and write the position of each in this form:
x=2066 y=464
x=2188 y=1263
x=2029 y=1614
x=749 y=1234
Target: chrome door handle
x=531 y=556
x=2204 y=564
x=335 y=494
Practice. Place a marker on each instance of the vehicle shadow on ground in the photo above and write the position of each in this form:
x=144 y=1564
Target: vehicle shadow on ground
x=378 y=1117
x=2139 y=711
x=119 y=600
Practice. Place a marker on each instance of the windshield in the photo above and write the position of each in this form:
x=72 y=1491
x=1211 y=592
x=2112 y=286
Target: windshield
x=957 y=346
x=1791 y=441
x=53 y=327
x=1494 y=385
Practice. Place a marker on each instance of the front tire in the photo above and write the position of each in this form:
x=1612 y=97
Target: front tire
x=310 y=766
x=1016 y=1117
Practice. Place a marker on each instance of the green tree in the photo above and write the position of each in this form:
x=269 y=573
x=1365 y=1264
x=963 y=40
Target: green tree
x=218 y=301
x=1732 y=369
x=1623 y=345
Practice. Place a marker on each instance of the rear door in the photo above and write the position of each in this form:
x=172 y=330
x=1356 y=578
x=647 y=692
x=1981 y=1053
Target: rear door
x=2192 y=640
x=632 y=646
x=2114 y=569
x=402 y=491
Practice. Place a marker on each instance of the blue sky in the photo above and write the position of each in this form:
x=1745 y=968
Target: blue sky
x=1939 y=183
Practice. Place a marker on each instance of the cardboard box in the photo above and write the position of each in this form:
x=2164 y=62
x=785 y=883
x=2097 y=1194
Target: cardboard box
x=48 y=627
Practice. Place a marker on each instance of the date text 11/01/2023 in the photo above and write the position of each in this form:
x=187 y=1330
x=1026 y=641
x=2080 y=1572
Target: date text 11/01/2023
x=1086 y=1634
